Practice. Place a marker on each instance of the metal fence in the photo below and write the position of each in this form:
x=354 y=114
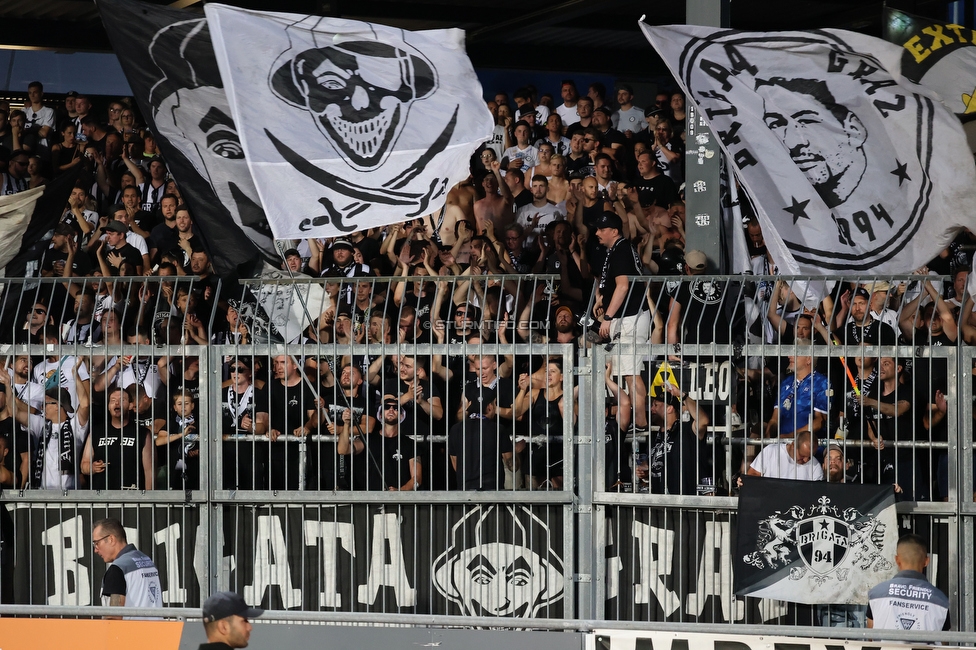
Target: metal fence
x=467 y=445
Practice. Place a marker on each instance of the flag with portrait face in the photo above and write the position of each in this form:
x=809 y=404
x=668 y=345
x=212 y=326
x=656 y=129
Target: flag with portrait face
x=347 y=125
x=169 y=62
x=852 y=168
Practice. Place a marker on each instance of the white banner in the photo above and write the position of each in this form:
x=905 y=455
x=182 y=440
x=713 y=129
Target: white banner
x=16 y=211
x=852 y=168
x=653 y=640
x=347 y=125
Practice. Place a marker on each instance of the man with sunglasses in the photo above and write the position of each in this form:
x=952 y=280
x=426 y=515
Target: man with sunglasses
x=132 y=580
x=245 y=409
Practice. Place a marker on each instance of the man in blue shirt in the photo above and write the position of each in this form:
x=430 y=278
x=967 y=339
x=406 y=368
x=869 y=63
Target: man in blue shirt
x=803 y=397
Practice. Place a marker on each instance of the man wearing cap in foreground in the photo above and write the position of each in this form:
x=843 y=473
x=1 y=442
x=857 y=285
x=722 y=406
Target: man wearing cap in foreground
x=626 y=320
x=226 y=621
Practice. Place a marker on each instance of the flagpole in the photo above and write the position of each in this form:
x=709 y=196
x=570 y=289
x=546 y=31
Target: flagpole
x=703 y=226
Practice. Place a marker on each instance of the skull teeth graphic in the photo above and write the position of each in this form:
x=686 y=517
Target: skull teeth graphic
x=365 y=138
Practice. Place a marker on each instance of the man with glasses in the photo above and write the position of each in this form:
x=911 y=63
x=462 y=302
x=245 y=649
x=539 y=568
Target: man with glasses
x=16 y=179
x=244 y=411
x=132 y=580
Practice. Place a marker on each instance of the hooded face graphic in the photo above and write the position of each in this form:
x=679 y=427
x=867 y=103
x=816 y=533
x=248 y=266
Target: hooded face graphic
x=359 y=93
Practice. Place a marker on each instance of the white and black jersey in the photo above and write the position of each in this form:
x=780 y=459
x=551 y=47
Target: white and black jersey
x=908 y=602
x=151 y=196
x=11 y=185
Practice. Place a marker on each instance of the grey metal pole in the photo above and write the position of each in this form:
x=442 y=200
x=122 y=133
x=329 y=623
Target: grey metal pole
x=703 y=227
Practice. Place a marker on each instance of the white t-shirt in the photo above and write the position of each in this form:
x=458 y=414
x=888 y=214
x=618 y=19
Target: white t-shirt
x=526 y=218
x=630 y=120
x=529 y=156
x=43 y=117
x=774 y=462
x=568 y=113
x=137 y=241
x=53 y=478
x=30 y=393
x=46 y=369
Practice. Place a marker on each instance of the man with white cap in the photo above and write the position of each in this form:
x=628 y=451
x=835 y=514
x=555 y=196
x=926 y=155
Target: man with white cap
x=225 y=619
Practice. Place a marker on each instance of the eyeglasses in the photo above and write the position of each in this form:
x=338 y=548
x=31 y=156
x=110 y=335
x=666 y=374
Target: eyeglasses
x=589 y=140
x=389 y=406
x=49 y=403
x=238 y=369
x=460 y=312
x=96 y=542
x=40 y=311
x=114 y=110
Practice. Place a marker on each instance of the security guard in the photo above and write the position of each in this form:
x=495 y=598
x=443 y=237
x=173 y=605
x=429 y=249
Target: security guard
x=908 y=601
x=133 y=579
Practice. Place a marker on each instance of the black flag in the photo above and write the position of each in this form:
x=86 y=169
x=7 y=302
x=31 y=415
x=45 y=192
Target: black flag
x=814 y=542
x=168 y=59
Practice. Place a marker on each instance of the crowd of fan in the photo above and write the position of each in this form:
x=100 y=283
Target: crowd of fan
x=538 y=196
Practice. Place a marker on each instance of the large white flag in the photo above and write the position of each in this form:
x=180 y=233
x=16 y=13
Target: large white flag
x=852 y=167
x=345 y=124
x=15 y=215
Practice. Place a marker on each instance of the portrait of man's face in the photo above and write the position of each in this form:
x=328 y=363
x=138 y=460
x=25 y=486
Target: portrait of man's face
x=826 y=143
x=504 y=579
x=189 y=116
x=486 y=577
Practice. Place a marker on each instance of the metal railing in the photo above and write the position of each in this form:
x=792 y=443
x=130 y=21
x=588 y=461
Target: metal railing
x=268 y=487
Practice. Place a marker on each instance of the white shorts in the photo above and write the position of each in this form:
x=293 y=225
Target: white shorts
x=630 y=346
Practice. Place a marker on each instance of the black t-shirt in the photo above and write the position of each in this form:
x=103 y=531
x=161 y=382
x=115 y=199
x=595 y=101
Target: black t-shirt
x=290 y=406
x=121 y=449
x=892 y=427
x=234 y=406
x=385 y=462
x=163 y=238
x=17 y=442
x=478 y=444
x=622 y=260
x=876 y=333
x=579 y=168
x=129 y=252
x=702 y=310
x=612 y=136
x=673 y=460
x=522 y=198
x=81 y=266
x=113 y=583
x=660 y=190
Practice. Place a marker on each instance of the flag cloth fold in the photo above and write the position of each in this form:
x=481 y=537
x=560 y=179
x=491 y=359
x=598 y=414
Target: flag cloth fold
x=938 y=55
x=347 y=125
x=813 y=542
x=852 y=167
x=15 y=215
x=169 y=62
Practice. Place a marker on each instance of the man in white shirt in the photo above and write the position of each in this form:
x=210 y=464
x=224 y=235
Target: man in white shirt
x=567 y=110
x=534 y=216
x=40 y=118
x=789 y=460
x=629 y=119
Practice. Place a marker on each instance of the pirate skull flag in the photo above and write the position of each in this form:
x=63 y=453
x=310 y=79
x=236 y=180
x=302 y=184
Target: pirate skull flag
x=347 y=125
x=814 y=542
x=851 y=167
x=937 y=54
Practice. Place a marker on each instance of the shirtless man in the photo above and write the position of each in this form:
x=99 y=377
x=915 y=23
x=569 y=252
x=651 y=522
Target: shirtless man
x=459 y=207
x=558 y=185
x=497 y=204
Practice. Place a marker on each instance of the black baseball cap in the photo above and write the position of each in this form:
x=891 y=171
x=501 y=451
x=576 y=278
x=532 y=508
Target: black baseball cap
x=60 y=395
x=861 y=292
x=227 y=603
x=342 y=243
x=117 y=226
x=72 y=93
x=603 y=109
x=609 y=220
x=653 y=110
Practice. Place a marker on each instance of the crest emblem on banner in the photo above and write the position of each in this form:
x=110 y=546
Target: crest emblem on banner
x=822 y=540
